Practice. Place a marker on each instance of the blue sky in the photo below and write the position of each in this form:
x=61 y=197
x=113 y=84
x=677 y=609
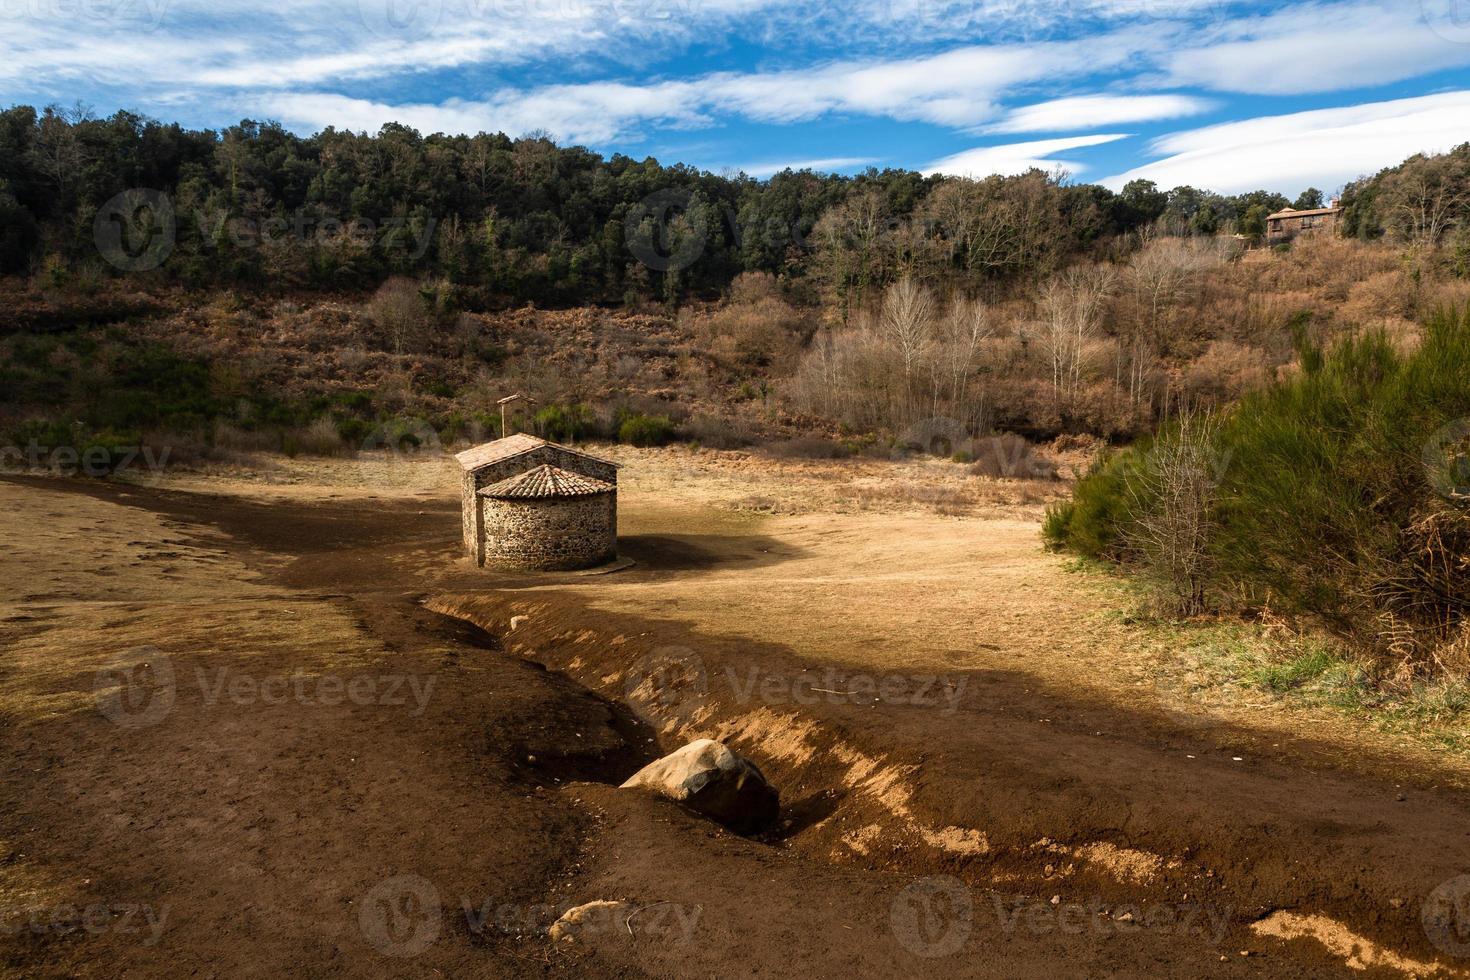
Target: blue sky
x=1228 y=96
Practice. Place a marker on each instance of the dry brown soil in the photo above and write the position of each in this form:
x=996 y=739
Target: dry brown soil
x=349 y=753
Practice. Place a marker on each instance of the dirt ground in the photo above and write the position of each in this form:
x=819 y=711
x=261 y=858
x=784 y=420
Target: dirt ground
x=266 y=719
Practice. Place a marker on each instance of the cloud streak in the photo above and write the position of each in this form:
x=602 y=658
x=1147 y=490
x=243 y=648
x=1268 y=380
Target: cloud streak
x=1085 y=112
x=1324 y=147
x=1016 y=158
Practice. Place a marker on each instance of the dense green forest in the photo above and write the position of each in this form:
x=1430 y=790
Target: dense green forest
x=506 y=221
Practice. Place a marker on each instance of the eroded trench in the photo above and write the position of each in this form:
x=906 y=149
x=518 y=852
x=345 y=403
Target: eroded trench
x=886 y=797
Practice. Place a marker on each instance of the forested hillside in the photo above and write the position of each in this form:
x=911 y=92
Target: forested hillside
x=506 y=221
x=255 y=288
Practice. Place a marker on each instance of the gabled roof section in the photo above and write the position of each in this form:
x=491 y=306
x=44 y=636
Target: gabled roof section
x=494 y=452
x=1292 y=213
x=512 y=446
x=546 y=481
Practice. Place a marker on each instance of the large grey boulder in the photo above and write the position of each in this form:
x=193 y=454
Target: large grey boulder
x=709 y=778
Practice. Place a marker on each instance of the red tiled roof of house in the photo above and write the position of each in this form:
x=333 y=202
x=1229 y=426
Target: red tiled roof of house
x=1290 y=213
x=546 y=481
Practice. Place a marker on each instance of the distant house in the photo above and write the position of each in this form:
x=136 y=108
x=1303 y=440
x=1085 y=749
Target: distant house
x=1283 y=226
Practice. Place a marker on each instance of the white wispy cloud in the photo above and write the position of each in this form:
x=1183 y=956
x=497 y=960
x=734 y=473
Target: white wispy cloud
x=1323 y=48
x=956 y=88
x=1323 y=148
x=595 y=113
x=825 y=165
x=1015 y=158
x=1084 y=112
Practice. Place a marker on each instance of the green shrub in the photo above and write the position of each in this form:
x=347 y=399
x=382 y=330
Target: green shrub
x=565 y=423
x=1336 y=496
x=1094 y=522
x=646 y=430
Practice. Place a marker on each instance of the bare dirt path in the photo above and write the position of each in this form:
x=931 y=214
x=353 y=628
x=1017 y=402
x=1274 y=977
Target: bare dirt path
x=1034 y=827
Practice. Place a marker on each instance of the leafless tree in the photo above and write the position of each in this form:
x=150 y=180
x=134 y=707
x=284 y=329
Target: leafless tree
x=1173 y=506
x=58 y=148
x=962 y=331
x=1426 y=198
x=1162 y=272
x=908 y=321
x=1071 y=307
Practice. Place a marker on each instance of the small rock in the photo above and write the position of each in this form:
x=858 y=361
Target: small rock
x=709 y=778
x=1395 y=903
x=595 y=918
x=1056 y=900
x=516 y=621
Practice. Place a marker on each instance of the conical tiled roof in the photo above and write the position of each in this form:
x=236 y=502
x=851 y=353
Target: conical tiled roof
x=546 y=481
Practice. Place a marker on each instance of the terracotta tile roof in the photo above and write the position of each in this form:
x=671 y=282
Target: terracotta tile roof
x=503 y=449
x=1289 y=213
x=546 y=481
